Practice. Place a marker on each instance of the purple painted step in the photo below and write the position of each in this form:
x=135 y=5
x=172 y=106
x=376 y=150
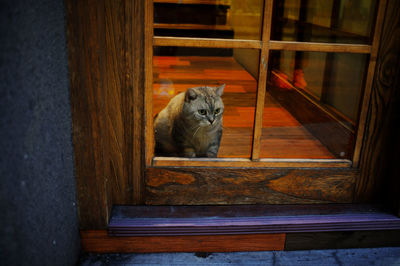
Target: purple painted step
x=252 y=219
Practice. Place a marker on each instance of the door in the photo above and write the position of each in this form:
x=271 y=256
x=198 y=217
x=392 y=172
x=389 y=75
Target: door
x=297 y=75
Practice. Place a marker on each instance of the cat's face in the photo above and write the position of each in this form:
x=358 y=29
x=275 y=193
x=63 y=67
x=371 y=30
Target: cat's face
x=204 y=106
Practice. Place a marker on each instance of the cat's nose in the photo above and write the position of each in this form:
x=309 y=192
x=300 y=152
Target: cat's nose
x=210 y=119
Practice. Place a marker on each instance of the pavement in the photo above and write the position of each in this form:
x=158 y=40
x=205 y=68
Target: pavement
x=387 y=256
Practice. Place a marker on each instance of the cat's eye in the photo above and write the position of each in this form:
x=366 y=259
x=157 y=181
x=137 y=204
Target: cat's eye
x=217 y=111
x=203 y=111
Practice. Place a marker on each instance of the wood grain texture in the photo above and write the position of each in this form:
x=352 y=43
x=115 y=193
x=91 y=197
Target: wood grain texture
x=134 y=47
x=363 y=120
x=205 y=42
x=105 y=40
x=377 y=164
x=183 y=26
x=112 y=74
x=320 y=47
x=196 y=186
x=84 y=22
x=340 y=240
x=242 y=162
x=148 y=91
x=99 y=242
x=262 y=81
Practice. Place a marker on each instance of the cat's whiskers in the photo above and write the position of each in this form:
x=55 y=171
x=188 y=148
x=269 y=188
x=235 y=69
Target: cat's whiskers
x=196 y=131
x=194 y=126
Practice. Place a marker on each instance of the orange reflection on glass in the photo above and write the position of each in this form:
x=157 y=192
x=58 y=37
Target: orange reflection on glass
x=312 y=104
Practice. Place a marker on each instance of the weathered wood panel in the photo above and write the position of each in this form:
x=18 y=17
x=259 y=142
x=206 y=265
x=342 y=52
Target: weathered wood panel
x=112 y=74
x=100 y=242
x=85 y=22
x=196 y=186
x=134 y=48
x=105 y=45
x=379 y=154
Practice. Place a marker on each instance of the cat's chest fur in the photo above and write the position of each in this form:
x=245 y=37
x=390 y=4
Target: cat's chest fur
x=202 y=139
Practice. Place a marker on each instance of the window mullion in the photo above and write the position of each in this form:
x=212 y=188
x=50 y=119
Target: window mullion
x=262 y=80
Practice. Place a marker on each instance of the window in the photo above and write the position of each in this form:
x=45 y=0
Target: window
x=297 y=73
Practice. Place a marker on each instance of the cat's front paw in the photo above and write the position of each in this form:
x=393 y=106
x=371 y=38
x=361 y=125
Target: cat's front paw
x=189 y=153
x=211 y=154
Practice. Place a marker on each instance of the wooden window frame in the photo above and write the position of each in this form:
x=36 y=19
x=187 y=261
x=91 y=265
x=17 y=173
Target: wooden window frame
x=265 y=45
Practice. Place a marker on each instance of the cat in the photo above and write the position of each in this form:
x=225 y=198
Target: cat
x=191 y=124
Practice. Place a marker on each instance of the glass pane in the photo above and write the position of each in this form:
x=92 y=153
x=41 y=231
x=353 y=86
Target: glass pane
x=312 y=104
x=227 y=19
x=345 y=21
x=176 y=69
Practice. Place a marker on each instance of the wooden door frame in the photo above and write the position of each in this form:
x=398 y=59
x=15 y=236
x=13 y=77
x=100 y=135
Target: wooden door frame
x=110 y=167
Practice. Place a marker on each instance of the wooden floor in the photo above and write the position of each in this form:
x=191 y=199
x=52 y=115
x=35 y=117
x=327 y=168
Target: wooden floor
x=282 y=136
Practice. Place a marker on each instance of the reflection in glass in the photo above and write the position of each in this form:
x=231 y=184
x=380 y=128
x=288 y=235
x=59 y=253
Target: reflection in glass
x=345 y=21
x=227 y=19
x=312 y=105
x=176 y=69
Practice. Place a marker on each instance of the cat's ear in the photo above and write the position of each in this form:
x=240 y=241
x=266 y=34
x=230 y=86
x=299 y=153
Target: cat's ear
x=220 y=90
x=190 y=95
